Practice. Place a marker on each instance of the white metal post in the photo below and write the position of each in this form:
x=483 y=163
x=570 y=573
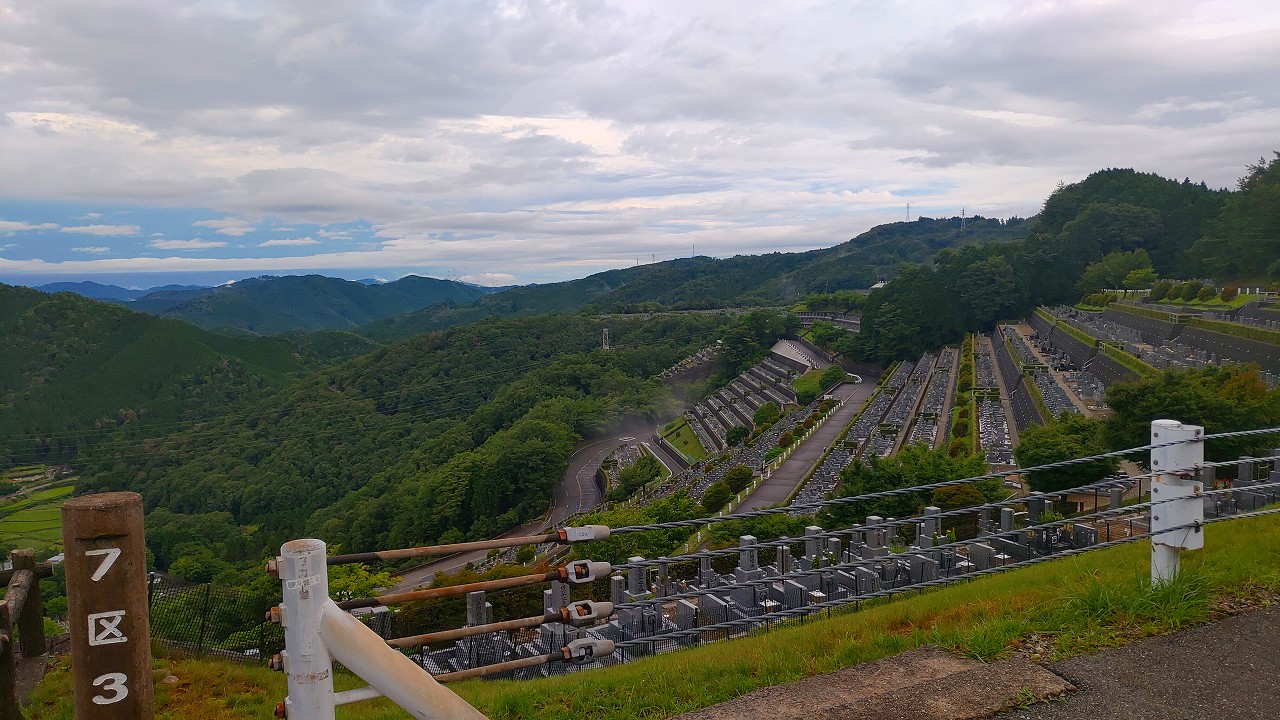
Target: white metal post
x=1179 y=493
x=304 y=573
x=389 y=672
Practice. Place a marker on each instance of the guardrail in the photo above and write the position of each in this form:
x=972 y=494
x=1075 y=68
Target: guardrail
x=21 y=610
x=837 y=569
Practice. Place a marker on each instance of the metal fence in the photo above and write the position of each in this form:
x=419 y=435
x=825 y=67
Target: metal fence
x=208 y=620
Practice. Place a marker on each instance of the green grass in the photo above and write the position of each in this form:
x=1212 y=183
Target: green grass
x=1126 y=359
x=810 y=381
x=34 y=522
x=686 y=441
x=1077 y=333
x=1082 y=604
x=1214 y=303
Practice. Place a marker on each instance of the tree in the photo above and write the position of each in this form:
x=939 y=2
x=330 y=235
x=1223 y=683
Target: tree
x=1140 y=279
x=1229 y=293
x=1206 y=293
x=1191 y=290
x=1222 y=399
x=716 y=497
x=1114 y=269
x=785 y=439
x=915 y=465
x=1070 y=436
x=832 y=376
x=1160 y=291
x=738 y=478
x=766 y=414
x=824 y=333
x=348 y=582
x=736 y=434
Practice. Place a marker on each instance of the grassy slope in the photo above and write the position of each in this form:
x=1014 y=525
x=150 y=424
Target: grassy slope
x=1080 y=604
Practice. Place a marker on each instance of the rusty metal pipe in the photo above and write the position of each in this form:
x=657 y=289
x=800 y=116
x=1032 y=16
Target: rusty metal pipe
x=434 y=550
x=463 y=632
x=433 y=593
x=468 y=674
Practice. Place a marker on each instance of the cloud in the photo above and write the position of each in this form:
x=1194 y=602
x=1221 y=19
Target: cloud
x=289 y=241
x=98 y=250
x=561 y=137
x=103 y=230
x=196 y=244
x=491 y=279
x=234 y=227
x=8 y=227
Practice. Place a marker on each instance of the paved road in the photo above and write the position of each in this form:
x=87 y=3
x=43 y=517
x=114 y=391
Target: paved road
x=788 y=476
x=1224 y=670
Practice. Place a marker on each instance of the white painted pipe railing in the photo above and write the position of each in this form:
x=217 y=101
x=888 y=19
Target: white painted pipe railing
x=317 y=632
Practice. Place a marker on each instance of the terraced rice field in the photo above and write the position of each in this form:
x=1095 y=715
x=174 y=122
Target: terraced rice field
x=33 y=521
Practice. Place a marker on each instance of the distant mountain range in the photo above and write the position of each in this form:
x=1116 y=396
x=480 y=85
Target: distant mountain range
x=273 y=305
x=390 y=311
x=112 y=293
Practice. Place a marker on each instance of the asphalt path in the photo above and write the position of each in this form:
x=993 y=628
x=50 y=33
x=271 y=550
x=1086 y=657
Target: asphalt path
x=784 y=480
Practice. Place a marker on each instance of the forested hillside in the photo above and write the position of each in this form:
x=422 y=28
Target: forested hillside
x=73 y=369
x=272 y=305
x=703 y=282
x=453 y=434
x=970 y=288
x=1243 y=242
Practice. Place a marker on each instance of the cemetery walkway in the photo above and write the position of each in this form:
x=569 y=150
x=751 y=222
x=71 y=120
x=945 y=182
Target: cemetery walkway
x=781 y=484
x=1223 y=670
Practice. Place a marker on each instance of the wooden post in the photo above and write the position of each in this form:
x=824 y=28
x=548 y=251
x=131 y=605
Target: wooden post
x=31 y=622
x=8 y=679
x=102 y=538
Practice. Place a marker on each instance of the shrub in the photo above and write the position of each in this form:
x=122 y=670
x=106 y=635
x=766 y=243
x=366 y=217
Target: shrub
x=1190 y=291
x=736 y=434
x=1229 y=294
x=785 y=439
x=1160 y=291
x=1206 y=293
x=738 y=478
x=716 y=497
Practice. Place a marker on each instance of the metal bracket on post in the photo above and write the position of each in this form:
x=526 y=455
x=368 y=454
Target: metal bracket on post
x=304 y=574
x=1178 y=495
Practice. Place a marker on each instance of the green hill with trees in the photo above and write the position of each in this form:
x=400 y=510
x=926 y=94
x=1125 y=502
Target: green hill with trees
x=273 y=305
x=73 y=370
x=968 y=289
x=453 y=434
x=708 y=283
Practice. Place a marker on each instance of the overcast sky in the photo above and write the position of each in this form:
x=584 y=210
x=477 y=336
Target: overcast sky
x=513 y=141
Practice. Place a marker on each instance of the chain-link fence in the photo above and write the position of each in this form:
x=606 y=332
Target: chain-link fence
x=209 y=620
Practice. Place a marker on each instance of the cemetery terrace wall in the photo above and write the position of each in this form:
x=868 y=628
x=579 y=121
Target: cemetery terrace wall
x=1232 y=348
x=1152 y=331
x=1025 y=413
